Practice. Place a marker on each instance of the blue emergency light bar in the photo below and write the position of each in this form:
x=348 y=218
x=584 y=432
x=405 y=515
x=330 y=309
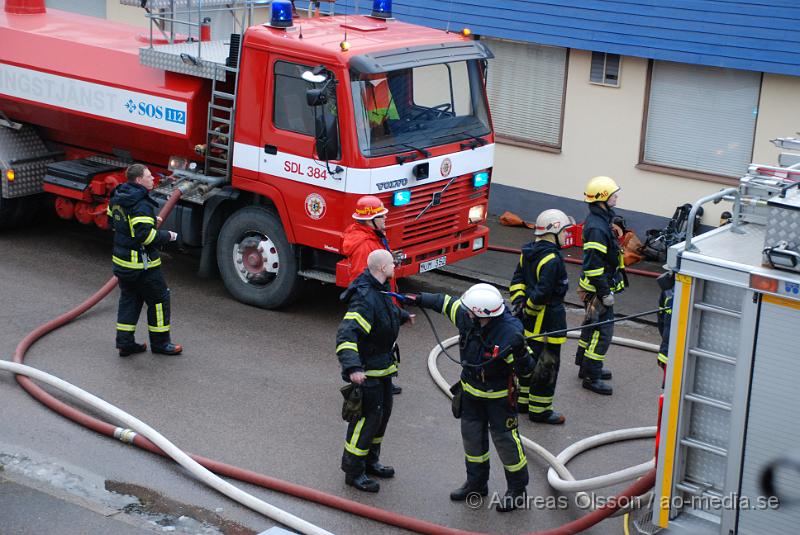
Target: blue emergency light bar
x=401 y=198
x=382 y=9
x=480 y=179
x=281 y=16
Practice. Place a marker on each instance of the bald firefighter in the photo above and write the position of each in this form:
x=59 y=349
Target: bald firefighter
x=603 y=276
x=537 y=290
x=364 y=346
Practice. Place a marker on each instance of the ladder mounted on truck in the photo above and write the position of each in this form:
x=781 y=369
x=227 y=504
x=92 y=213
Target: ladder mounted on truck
x=732 y=375
x=196 y=54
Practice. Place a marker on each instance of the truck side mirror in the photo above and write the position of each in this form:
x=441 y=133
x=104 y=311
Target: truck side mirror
x=327 y=135
x=316 y=97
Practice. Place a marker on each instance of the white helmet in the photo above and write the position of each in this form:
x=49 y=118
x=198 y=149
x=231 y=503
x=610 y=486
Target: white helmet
x=552 y=222
x=483 y=300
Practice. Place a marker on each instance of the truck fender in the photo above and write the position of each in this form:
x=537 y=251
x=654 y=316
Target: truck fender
x=214 y=214
x=276 y=198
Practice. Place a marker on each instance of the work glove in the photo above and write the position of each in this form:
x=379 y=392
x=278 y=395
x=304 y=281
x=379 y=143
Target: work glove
x=607 y=300
x=517 y=307
x=352 y=406
x=172 y=235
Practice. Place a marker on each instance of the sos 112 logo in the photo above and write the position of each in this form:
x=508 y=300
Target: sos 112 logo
x=153 y=111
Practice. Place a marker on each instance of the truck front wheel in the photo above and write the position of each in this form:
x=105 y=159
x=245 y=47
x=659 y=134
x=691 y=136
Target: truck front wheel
x=256 y=261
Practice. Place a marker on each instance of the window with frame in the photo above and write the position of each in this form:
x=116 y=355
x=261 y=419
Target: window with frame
x=290 y=110
x=605 y=69
x=700 y=118
x=526 y=87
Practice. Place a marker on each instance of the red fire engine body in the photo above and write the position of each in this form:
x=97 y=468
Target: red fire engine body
x=82 y=97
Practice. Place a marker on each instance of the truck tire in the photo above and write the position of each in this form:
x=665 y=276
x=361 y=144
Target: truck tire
x=256 y=261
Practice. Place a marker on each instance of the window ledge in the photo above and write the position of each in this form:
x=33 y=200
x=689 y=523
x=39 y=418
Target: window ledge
x=685 y=173
x=508 y=140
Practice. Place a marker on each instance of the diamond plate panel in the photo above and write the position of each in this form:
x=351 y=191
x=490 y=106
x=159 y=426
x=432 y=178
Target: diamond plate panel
x=705 y=469
x=723 y=295
x=171 y=58
x=710 y=424
x=23 y=144
x=714 y=379
x=783 y=222
x=719 y=334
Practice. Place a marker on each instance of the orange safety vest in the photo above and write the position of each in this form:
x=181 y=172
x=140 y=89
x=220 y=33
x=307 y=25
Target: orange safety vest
x=379 y=103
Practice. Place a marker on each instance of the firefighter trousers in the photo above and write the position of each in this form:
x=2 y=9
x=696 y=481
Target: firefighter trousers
x=594 y=343
x=135 y=289
x=362 y=445
x=536 y=391
x=479 y=418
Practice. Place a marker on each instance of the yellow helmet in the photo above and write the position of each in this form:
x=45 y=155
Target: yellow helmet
x=600 y=188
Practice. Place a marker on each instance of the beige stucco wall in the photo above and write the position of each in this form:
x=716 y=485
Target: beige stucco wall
x=778 y=115
x=127 y=14
x=602 y=135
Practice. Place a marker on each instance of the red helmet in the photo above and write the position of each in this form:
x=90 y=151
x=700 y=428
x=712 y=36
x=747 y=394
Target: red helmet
x=368 y=208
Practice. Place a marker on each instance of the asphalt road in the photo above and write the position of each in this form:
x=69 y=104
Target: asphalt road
x=259 y=389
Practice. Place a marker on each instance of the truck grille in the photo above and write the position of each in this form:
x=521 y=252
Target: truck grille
x=445 y=219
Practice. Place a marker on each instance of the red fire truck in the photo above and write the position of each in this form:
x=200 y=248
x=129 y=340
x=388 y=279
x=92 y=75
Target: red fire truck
x=274 y=133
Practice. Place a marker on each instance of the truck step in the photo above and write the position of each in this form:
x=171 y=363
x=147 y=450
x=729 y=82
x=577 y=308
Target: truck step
x=705 y=446
x=322 y=276
x=223 y=95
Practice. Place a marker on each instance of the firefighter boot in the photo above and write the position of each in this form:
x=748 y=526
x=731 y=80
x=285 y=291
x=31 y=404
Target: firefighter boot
x=169 y=349
x=513 y=499
x=605 y=374
x=380 y=470
x=132 y=350
x=597 y=386
x=362 y=482
x=465 y=490
x=547 y=417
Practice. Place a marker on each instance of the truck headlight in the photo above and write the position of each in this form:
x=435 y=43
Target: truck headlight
x=477 y=214
x=177 y=163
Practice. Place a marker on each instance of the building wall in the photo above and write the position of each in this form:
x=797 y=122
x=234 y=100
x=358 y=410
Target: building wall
x=778 y=115
x=602 y=136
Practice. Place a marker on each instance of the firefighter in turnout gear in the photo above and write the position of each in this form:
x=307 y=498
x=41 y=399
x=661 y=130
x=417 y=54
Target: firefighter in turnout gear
x=492 y=349
x=137 y=264
x=365 y=345
x=666 y=281
x=537 y=290
x=603 y=276
x=366 y=234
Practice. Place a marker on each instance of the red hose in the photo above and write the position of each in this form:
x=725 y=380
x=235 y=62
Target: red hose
x=633 y=271
x=223 y=469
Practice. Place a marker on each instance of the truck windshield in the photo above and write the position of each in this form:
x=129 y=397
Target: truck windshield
x=419 y=107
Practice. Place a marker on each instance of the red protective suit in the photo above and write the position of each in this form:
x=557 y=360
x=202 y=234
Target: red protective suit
x=358 y=241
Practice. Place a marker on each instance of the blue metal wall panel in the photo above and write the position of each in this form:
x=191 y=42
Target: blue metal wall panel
x=756 y=35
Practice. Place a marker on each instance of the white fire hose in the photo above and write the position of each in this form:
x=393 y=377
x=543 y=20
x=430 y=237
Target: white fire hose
x=558 y=475
x=205 y=476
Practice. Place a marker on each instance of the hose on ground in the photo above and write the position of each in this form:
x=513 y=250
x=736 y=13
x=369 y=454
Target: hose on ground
x=170 y=449
x=329 y=500
x=558 y=474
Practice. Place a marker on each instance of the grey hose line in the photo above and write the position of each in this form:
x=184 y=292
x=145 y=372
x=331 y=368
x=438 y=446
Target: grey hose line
x=169 y=448
x=559 y=476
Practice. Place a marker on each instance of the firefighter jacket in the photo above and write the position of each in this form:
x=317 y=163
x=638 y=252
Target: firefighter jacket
x=540 y=282
x=136 y=240
x=366 y=335
x=664 y=320
x=603 y=266
x=499 y=345
x=357 y=242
